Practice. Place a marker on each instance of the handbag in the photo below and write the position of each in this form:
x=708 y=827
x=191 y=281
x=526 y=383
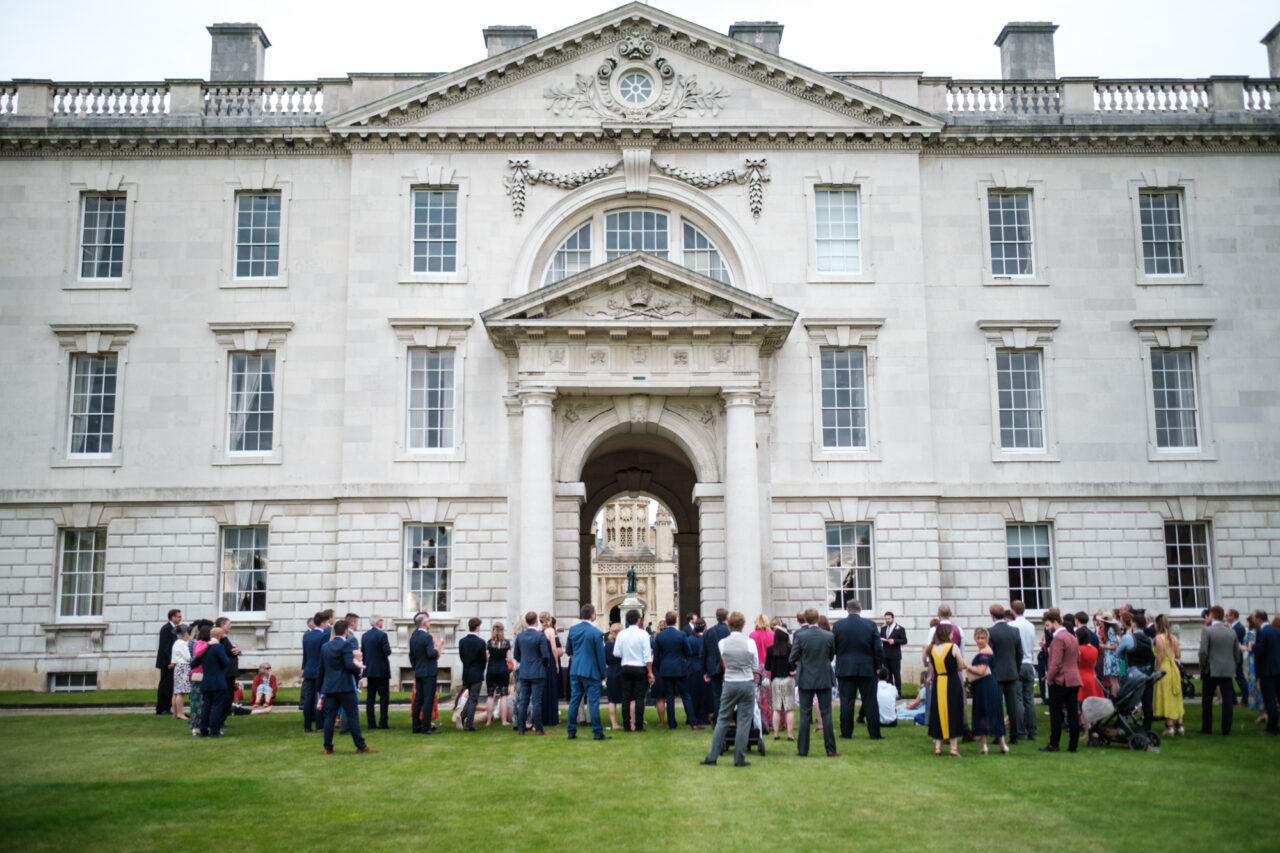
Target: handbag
x=197 y=677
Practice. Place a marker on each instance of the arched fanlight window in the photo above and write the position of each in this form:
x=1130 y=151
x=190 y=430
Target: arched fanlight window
x=573 y=256
x=701 y=255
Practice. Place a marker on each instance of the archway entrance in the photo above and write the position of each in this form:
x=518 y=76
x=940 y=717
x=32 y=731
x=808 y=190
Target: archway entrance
x=635 y=537
x=639 y=466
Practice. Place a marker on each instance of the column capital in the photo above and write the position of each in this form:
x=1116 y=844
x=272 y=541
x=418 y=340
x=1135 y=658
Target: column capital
x=739 y=397
x=533 y=396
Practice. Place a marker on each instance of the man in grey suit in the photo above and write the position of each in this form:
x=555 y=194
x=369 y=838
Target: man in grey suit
x=811 y=651
x=859 y=654
x=1006 y=645
x=534 y=656
x=1217 y=669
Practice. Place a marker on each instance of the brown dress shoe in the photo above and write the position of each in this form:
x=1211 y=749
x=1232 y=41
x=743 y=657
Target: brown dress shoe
x=328 y=752
x=365 y=750
x=833 y=755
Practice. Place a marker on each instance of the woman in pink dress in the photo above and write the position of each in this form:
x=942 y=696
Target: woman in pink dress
x=762 y=636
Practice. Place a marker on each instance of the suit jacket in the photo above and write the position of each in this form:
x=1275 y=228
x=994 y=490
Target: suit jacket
x=340 y=669
x=472 y=656
x=859 y=651
x=899 y=636
x=671 y=653
x=233 y=661
x=1006 y=645
x=533 y=653
x=376 y=647
x=1218 y=651
x=695 y=656
x=312 y=641
x=585 y=645
x=1266 y=651
x=711 y=663
x=215 y=662
x=164 y=654
x=424 y=657
x=811 y=652
x=1064 y=660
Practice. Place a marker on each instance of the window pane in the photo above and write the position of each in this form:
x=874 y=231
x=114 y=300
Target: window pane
x=258 y=235
x=1030 y=564
x=573 y=256
x=431 y=399
x=435 y=233
x=102 y=236
x=635 y=231
x=844 y=398
x=1160 y=214
x=93 y=404
x=1187 y=559
x=244 y=569
x=1021 y=415
x=839 y=244
x=849 y=565
x=82 y=572
x=1173 y=382
x=1009 y=218
x=427 y=568
x=251 y=403
x=701 y=255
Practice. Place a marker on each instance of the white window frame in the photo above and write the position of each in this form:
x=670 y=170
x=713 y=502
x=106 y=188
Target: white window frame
x=450 y=569
x=1166 y=180
x=1015 y=181
x=677 y=218
x=1022 y=335
x=236 y=338
x=89 y=339
x=870 y=604
x=223 y=571
x=433 y=177
x=451 y=409
x=100 y=184
x=1052 y=588
x=232 y=357
x=866 y=192
x=88 y=682
x=241 y=197
x=432 y=334
x=1178 y=335
x=844 y=334
x=60 y=573
x=253 y=185
x=836 y=389
x=1210 y=595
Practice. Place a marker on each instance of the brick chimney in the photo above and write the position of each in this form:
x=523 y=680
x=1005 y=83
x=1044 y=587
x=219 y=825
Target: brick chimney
x=239 y=52
x=1272 y=41
x=500 y=39
x=1026 y=50
x=766 y=35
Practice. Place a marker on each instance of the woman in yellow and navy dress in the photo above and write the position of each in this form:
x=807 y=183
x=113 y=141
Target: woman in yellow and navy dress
x=946 y=699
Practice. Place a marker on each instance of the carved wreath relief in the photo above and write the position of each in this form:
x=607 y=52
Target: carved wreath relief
x=646 y=89
x=640 y=302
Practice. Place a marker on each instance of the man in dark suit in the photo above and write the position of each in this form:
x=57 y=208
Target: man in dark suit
x=424 y=657
x=893 y=637
x=689 y=622
x=312 y=642
x=339 y=688
x=471 y=654
x=1266 y=655
x=585 y=646
x=712 y=666
x=376 y=648
x=213 y=662
x=859 y=654
x=533 y=653
x=811 y=652
x=1217 y=667
x=1006 y=646
x=164 y=663
x=233 y=668
x=671 y=655
x=1233 y=622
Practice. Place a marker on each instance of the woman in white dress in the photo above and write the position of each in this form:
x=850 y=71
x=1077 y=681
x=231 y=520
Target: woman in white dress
x=181 y=659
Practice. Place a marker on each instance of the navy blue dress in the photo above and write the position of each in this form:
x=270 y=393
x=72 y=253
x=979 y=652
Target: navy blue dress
x=551 y=693
x=988 y=714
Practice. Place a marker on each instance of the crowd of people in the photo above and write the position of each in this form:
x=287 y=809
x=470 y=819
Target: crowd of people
x=749 y=686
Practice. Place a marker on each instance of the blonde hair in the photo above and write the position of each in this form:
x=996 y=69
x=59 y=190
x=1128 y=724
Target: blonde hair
x=614 y=629
x=216 y=634
x=981 y=634
x=762 y=622
x=545 y=618
x=775 y=623
x=498 y=632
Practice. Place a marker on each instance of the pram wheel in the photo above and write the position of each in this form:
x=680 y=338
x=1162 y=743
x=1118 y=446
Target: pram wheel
x=1155 y=738
x=1139 y=741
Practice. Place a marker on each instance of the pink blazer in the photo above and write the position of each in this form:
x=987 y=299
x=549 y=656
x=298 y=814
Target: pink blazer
x=1064 y=660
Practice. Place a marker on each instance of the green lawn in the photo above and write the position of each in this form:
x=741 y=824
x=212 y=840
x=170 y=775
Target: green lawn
x=134 y=782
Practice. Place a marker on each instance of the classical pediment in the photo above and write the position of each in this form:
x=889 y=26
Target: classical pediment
x=640 y=69
x=644 y=294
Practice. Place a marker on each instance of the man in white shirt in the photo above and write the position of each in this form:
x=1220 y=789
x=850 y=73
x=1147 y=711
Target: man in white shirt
x=1026 y=672
x=739 y=695
x=887 y=699
x=633 y=647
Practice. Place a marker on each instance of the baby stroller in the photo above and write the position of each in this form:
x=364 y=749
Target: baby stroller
x=1188 y=683
x=753 y=739
x=1113 y=721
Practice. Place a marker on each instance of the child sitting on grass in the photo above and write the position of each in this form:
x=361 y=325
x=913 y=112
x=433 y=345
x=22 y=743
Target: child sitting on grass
x=264 y=686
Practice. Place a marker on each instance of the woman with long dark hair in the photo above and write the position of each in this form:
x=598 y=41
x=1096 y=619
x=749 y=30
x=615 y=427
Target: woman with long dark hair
x=783 y=683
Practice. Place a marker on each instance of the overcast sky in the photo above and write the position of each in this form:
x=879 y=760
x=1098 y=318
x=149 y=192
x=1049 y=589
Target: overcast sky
x=144 y=40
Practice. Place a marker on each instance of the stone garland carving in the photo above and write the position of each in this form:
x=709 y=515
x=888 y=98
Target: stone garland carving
x=522 y=175
x=676 y=93
x=640 y=302
x=752 y=174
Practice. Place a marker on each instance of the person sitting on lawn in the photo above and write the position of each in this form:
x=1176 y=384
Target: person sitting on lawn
x=264 y=686
x=886 y=698
x=239 y=709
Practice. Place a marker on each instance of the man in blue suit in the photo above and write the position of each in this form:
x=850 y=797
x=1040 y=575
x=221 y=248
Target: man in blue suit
x=376 y=647
x=585 y=646
x=472 y=656
x=312 y=641
x=339 y=688
x=214 y=661
x=534 y=656
x=671 y=653
x=1266 y=654
x=712 y=666
x=424 y=657
x=859 y=654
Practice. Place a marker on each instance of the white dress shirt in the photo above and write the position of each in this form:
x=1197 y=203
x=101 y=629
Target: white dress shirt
x=633 y=646
x=1028 y=632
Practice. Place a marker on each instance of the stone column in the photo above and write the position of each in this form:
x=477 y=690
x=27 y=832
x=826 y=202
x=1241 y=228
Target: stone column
x=687 y=569
x=535 y=563
x=744 y=588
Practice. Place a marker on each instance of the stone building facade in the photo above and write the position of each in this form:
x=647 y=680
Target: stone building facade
x=387 y=342
x=626 y=542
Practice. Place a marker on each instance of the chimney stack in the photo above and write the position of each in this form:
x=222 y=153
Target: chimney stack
x=500 y=39
x=766 y=35
x=239 y=52
x=1026 y=50
x=1272 y=41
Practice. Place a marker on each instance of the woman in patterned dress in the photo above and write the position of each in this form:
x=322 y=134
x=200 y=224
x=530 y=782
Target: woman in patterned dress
x=1251 y=672
x=1110 y=660
x=198 y=646
x=180 y=654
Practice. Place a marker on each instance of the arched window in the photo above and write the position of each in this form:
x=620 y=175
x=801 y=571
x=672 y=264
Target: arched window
x=666 y=234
